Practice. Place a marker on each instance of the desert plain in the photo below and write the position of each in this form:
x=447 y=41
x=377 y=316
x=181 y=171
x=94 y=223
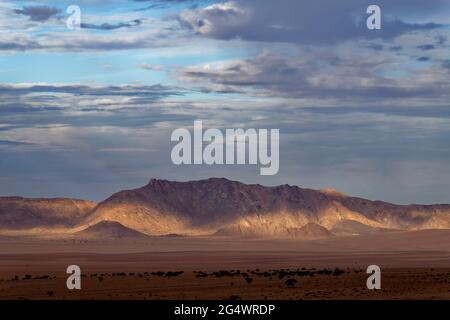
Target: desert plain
x=175 y=267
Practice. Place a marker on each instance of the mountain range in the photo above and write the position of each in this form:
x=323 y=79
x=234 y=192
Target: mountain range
x=217 y=207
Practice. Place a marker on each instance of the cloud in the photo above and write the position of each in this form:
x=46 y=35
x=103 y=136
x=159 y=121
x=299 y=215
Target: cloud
x=341 y=147
x=83 y=41
x=441 y=39
x=426 y=47
x=352 y=106
x=38 y=13
x=446 y=64
x=49 y=92
x=19 y=45
x=320 y=75
x=9 y=144
x=112 y=26
x=161 y=4
x=147 y=66
x=125 y=31
x=322 y=21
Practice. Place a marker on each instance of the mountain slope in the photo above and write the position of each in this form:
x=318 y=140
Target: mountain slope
x=18 y=213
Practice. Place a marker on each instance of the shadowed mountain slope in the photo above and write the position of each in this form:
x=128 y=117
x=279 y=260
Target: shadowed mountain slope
x=23 y=213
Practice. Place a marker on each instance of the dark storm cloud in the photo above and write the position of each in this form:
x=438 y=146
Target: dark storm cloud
x=38 y=13
x=112 y=26
x=322 y=21
x=423 y=59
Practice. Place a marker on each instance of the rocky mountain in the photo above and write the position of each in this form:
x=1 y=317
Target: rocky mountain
x=223 y=207
x=219 y=206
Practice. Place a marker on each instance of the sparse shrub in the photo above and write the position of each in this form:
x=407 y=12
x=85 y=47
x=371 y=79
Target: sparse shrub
x=290 y=282
x=338 y=272
x=325 y=272
x=173 y=273
x=201 y=274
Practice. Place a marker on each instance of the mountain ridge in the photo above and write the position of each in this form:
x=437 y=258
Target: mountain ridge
x=218 y=206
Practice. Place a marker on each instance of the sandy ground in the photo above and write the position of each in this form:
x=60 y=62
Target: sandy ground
x=35 y=269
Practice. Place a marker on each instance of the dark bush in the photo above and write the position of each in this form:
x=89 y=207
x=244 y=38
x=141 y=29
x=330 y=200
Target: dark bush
x=174 y=274
x=338 y=272
x=290 y=282
x=201 y=274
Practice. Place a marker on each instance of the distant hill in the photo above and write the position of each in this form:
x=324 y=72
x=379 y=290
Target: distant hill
x=109 y=230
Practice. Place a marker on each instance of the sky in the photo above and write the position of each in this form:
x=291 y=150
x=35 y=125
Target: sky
x=88 y=112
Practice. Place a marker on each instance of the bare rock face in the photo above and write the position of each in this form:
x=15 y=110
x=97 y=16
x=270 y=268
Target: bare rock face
x=219 y=206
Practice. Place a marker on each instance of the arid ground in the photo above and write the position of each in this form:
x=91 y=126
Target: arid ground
x=224 y=268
